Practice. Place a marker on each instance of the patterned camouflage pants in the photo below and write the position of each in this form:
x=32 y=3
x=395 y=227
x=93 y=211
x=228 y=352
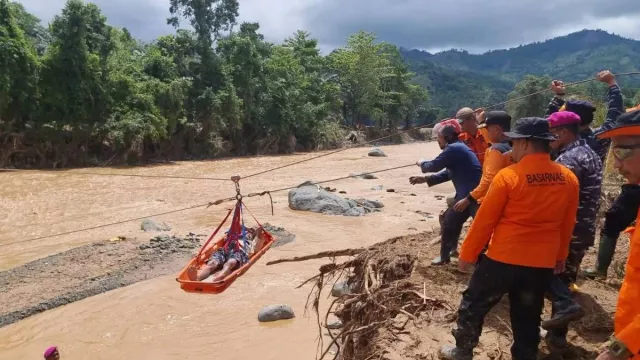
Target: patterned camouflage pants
x=572 y=265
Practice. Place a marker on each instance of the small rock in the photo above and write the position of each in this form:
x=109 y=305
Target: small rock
x=412 y=194
x=343 y=192
x=275 y=312
x=336 y=324
x=340 y=288
x=364 y=176
x=391 y=190
x=282 y=236
x=377 y=152
x=150 y=225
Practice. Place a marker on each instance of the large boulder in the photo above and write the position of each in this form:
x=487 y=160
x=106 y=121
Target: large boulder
x=275 y=313
x=310 y=197
x=377 y=152
x=150 y=225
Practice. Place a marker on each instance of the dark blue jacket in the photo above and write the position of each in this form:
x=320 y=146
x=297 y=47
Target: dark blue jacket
x=456 y=163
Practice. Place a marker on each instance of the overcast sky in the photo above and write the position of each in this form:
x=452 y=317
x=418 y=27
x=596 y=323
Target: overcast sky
x=474 y=25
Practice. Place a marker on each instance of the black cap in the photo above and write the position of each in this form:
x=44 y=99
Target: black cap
x=501 y=118
x=531 y=127
x=583 y=108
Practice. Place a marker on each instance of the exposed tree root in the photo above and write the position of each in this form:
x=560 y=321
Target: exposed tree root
x=381 y=297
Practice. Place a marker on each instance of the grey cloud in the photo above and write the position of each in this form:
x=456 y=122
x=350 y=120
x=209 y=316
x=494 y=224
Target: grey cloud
x=145 y=19
x=458 y=23
x=475 y=25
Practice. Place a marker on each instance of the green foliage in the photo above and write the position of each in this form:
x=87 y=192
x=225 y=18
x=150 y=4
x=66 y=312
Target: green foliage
x=521 y=105
x=82 y=91
x=18 y=72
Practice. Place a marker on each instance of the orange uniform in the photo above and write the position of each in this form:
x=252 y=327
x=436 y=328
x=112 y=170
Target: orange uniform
x=527 y=216
x=485 y=134
x=627 y=320
x=477 y=144
x=496 y=158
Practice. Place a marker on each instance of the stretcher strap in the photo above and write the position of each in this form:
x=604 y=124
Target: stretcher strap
x=214 y=233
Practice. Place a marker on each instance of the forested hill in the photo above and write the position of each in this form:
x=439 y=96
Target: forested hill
x=482 y=78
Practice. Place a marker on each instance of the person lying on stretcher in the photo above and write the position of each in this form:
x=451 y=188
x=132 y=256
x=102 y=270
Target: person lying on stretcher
x=230 y=257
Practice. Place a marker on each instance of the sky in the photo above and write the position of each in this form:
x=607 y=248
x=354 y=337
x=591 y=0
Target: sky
x=433 y=25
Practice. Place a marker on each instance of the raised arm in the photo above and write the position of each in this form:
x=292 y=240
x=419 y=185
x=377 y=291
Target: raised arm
x=556 y=103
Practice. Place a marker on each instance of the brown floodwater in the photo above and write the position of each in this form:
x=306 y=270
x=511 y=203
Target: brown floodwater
x=154 y=319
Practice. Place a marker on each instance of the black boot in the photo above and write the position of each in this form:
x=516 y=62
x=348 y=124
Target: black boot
x=606 y=250
x=449 y=352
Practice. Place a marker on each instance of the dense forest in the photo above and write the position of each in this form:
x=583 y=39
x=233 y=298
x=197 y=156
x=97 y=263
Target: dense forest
x=82 y=92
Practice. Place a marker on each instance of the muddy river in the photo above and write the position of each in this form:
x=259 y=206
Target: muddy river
x=155 y=319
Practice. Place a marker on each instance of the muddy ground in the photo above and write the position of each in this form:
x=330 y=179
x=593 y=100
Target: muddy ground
x=96 y=268
x=413 y=307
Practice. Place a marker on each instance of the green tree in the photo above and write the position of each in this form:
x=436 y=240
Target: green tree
x=522 y=104
x=74 y=87
x=18 y=72
x=360 y=68
x=37 y=34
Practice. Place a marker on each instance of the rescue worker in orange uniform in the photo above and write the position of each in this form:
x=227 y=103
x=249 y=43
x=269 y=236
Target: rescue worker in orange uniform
x=470 y=135
x=527 y=217
x=625 y=136
x=496 y=158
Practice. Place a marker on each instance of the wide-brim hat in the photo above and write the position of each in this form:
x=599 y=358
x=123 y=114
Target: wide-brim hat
x=531 y=128
x=627 y=124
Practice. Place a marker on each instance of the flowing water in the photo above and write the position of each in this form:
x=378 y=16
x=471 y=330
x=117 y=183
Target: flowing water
x=155 y=319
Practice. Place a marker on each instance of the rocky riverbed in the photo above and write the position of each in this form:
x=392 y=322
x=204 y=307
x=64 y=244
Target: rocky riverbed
x=95 y=268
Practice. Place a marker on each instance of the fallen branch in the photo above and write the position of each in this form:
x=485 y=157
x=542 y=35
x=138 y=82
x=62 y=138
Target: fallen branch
x=436 y=240
x=320 y=255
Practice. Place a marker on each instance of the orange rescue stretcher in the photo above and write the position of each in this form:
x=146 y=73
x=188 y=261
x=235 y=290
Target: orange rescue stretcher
x=237 y=226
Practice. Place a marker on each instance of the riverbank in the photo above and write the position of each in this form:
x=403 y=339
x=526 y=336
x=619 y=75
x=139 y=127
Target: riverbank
x=401 y=307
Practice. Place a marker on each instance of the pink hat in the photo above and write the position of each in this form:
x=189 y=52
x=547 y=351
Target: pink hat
x=50 y=351
x=563 y=118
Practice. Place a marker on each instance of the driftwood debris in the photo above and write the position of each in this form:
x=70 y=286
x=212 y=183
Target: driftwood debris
x=320 y=255
x=381 y=290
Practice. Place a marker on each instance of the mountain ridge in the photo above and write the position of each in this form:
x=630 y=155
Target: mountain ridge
x=490 y=76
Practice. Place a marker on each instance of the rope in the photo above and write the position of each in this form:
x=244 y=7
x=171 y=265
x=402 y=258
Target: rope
x=104 y=225
x=427 y=125
x=268 y=192
x=545 y=90
x=107 y=174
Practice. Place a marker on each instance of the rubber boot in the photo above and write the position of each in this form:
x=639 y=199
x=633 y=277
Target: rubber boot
x=606 y=249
